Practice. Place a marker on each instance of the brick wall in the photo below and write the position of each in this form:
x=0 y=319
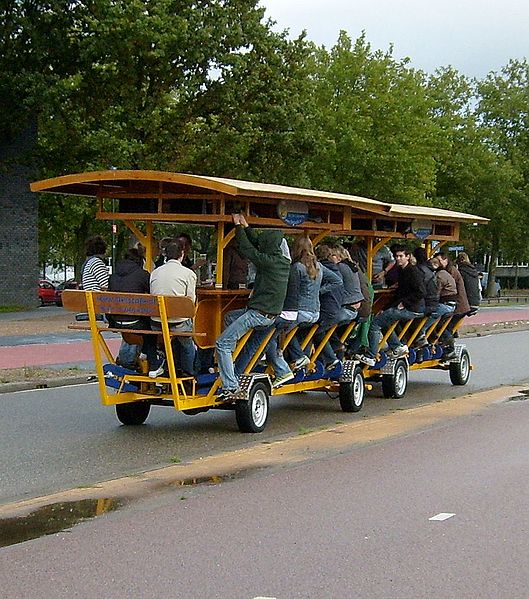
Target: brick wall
x=19 y=271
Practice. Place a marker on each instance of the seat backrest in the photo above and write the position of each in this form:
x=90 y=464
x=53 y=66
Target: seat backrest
x=137 y=304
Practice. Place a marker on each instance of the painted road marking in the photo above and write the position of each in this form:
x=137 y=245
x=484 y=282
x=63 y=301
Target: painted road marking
x=264 y=598
x=442 y=516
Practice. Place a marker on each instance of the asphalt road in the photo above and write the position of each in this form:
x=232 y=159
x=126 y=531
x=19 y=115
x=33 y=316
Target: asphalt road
x=357 y=525
x=60 y=438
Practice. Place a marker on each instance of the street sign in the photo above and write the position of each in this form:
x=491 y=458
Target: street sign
x=456 y=248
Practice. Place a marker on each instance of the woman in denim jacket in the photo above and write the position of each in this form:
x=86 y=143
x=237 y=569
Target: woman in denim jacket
x=313 y=278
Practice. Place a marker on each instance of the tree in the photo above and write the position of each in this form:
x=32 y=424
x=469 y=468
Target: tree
x=374 y=113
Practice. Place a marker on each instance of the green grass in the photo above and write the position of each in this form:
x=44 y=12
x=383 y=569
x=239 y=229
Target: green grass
x=5 y=309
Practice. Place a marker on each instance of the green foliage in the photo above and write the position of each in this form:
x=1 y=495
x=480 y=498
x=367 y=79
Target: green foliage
x=208 y=87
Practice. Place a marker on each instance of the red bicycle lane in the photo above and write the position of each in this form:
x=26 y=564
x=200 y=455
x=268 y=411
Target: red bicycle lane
x=45 y=354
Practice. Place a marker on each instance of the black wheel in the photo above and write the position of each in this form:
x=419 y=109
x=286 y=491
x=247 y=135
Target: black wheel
x=252 y=415
x=351 y=394
x=133 y=413
x=460 y=371
x=395 y=385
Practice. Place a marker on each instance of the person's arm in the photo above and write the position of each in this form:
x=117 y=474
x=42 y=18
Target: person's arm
x=247 y=248
x=192 y=286
x=100 y=272
x=329 y=279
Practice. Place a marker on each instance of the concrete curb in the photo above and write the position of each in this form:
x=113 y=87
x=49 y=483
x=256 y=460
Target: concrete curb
x=47 y=383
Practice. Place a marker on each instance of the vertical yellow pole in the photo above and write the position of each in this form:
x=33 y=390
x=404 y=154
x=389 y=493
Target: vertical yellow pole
x=148 y=245
x=220 y=255
x=168 y=347
x=94 y=333
x=369 y=269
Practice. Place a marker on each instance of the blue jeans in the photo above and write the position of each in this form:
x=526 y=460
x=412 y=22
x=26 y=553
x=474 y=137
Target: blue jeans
x=184 y=349
x=304 y=320
x=382 y=322
x=441 y=310
x=328 y=354
x=273 y=356
x=239 y=322
x=128 y=354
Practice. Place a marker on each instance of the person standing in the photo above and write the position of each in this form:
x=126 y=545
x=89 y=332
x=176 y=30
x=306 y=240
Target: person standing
x=471 y=280
x=173 y=278
x=94 y=273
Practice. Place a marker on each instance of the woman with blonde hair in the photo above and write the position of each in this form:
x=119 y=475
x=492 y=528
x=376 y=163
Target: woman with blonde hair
x=313 y=278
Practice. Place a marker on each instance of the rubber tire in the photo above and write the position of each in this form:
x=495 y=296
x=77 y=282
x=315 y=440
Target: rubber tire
x=349 y=400
x=251 y=415
x=133 y=414
x=460 y=371
x=394 y=385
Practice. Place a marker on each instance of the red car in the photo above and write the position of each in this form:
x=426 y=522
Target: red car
x=46 y=292
x=70 y=284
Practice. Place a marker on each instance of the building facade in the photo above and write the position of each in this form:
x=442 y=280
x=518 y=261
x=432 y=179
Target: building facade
x=18 y=222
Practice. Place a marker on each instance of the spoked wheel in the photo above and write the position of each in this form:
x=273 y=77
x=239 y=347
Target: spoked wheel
x=351 y=394
x=395 y=385
x=134 y=413
x=460 y=371
x=252 y=414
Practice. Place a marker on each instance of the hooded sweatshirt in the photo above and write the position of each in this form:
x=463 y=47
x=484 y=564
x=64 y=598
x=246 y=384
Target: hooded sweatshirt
x=271 y=265
x=471 y=280
x=129 y=277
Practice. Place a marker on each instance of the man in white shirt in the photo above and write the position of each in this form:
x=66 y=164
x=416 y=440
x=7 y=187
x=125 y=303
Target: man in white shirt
x=172 y=278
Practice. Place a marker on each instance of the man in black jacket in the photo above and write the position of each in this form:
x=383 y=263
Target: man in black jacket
x=408 y=304
x=131 y=277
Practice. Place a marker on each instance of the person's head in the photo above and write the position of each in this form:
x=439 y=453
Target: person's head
x=402 y=256
x=134 y=255
x=303 y=252
x=324 y=252
x=463 y=258
x=420 y=255
x=187 y=242
x=175 y=250
x=270 y=242
x=96 y=246
x=164 y=243
x=340 y=252
x=443 y=258
x=436 y=265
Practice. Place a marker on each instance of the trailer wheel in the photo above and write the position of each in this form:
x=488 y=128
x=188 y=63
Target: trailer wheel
x=252 y=414
x=395 y=385
x=351 y=394
x=460 y=371
x=133 y=414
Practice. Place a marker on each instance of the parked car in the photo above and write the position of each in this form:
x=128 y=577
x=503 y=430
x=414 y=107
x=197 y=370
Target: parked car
x=46 y=292
x=70 y=284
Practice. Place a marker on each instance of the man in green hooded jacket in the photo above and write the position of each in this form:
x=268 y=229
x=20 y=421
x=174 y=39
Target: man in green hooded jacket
x=267 y=298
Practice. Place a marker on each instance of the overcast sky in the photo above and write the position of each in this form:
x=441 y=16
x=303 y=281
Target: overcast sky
x=474 y=36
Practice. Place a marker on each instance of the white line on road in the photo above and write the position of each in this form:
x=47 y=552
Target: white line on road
x=442 y=516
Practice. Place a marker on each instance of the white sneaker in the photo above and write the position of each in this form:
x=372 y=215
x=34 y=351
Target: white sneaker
x=365 y=359
x=281 y=380
x=158 y=372
x=401 y=350
x=301 y=362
